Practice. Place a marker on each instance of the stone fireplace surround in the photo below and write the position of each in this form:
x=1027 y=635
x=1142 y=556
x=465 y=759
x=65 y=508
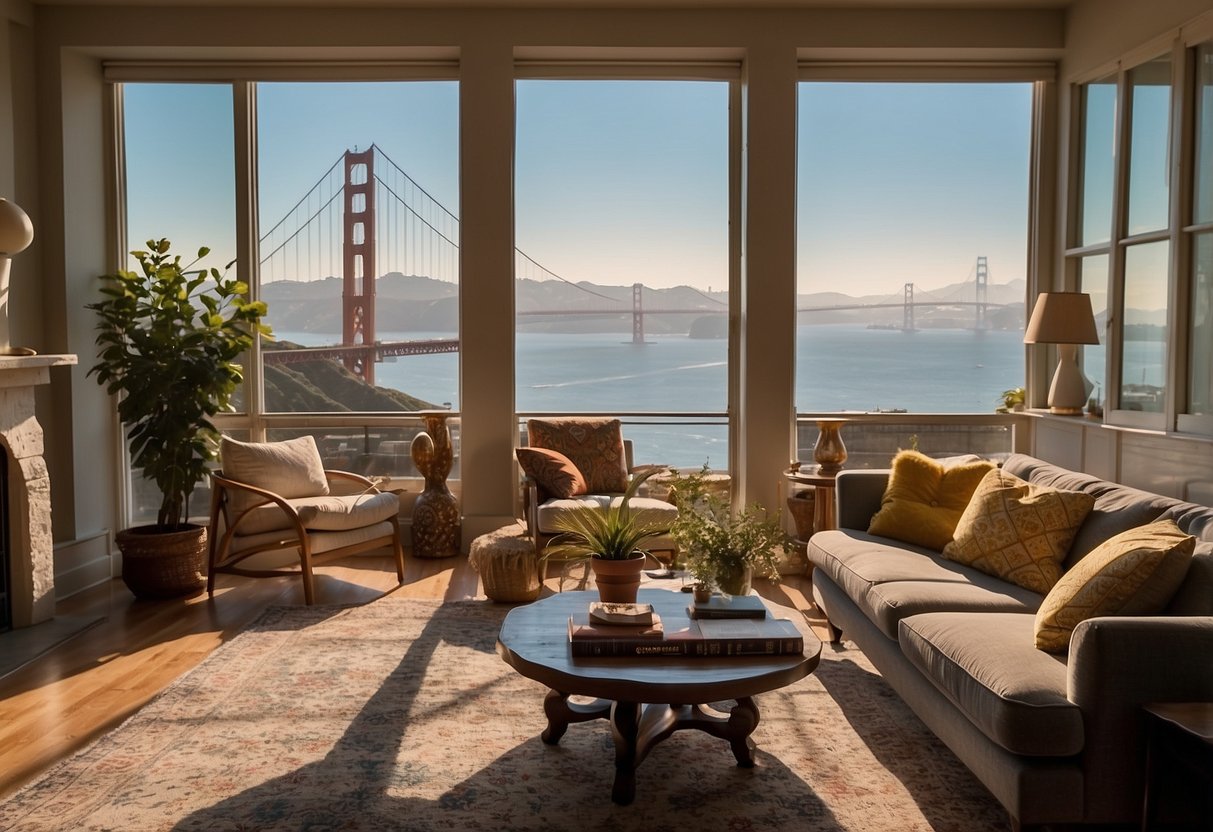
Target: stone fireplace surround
x=31 y=555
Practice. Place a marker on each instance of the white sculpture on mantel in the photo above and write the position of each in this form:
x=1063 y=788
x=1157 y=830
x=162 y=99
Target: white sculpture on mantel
x=16 y=233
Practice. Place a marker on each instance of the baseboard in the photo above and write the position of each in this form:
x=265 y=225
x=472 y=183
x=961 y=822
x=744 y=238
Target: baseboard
x=83 y=563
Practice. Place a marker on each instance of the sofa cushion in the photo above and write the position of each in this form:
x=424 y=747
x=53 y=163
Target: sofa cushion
x=648 y=510
x=1134 y=573
x=924 y=499
x=331 y=513
x=595 y=447
x=889 y=580
x=291 y=468
x=985 y=664
x=553 y=471
x=1018 y=531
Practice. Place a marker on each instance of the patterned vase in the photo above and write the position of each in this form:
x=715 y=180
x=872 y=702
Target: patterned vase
x=436 y=527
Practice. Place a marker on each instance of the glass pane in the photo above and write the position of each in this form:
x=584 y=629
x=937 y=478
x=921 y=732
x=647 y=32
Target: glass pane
x=1143 y=378
x=1093 y=279
x=1098 y=142
x=358 y=197
x=621 y=222
x=1149 y=146
x=1202 y=211
x=1200 y=348
x=911 y=245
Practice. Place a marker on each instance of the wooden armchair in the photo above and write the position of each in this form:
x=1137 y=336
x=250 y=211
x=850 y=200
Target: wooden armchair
x=575 y=462
x=275 y=497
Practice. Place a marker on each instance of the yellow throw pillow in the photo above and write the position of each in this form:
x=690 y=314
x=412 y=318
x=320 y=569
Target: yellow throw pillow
x=1134 y=573
x=1018 y=531
x=924 y=499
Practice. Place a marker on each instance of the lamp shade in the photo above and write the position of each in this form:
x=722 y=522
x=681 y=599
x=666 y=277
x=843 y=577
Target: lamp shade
x=1062 y=318
x=16 y=231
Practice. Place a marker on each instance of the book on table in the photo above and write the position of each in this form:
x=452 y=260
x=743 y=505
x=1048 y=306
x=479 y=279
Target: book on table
x=728 y=606
x=706 y=638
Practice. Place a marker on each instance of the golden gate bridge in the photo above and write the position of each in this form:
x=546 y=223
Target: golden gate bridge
x=367 y=216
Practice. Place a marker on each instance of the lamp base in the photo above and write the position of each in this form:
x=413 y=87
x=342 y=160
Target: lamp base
x=1066 y=411
x=17 y=351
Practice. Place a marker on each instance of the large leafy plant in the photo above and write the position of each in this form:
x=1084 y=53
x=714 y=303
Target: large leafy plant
x=610 y=533
x=717 y=543
x=168 y=339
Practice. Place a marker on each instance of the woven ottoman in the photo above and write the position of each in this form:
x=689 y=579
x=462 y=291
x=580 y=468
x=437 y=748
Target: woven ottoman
x=507 y=564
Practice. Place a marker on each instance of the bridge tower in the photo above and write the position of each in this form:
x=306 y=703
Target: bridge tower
x=983 y=279
x=907 y=310
x=637 y=313
x=358 y=262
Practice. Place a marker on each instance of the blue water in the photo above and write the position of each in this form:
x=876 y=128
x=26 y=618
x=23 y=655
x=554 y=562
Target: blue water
x=843 y=367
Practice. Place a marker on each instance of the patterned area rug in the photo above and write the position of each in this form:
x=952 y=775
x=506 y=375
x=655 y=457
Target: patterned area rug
x=400 y=715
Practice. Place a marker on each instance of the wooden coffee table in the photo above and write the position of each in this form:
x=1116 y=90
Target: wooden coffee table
x=647 y=698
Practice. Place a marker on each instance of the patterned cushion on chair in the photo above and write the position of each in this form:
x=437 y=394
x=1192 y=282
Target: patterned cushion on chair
x=595 y=447
x=553 y=471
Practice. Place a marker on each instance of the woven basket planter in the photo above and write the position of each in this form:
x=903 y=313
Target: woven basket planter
x=801 y=506
x=159 y=564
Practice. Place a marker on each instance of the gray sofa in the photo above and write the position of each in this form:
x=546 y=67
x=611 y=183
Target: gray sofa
x=1056 y=739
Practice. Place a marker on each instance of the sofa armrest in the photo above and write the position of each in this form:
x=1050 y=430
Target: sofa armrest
x=859 y=494
x=1118 y=664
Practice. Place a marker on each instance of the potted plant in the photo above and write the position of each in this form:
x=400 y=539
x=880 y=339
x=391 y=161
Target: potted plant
x=611 y=538
x=720 y=547
x=1012 y=400
x=168 y=339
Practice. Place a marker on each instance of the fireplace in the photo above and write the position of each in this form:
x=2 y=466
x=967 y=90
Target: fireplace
x=29 y=575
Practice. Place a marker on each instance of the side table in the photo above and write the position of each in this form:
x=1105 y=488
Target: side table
x=823 y=497
x=1181 y=732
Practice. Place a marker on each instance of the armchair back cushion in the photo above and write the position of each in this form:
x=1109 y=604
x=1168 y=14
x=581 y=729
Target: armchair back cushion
x=594 y=446
x=292 y=468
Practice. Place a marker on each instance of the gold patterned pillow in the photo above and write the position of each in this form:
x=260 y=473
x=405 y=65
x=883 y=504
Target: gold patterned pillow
x=595 y=447
x=1134 y=573
x=1018 y=531
x=924 y=499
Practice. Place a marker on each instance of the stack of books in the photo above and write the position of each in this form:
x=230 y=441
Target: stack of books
x=739 y=626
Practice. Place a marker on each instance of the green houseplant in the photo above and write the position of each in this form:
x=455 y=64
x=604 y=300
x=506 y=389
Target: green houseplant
x=611 y=538
x=168 y=337
x=1012 y=400
x=720 y=547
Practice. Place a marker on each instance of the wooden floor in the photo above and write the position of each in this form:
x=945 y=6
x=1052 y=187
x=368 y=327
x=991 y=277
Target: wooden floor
x=90 y=684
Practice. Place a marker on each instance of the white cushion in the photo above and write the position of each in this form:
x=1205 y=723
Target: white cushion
x=649 y=510
x=289 y=469
x=320 y=542
x=331 y=513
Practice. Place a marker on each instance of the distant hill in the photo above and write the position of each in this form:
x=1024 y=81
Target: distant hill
x=411 y=303
x=325 y=386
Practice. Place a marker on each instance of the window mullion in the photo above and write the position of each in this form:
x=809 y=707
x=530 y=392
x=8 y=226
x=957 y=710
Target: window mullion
x=244 y=103
x=1114 y=331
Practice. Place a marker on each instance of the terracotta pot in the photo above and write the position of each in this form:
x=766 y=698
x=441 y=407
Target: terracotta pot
x=163 y=564
x=618 y=581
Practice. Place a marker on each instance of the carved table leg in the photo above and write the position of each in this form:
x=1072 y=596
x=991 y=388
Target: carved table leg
x=562 y=713
x=625 y=722
x=742 y=722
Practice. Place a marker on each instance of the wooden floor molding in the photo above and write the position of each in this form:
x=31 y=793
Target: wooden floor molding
x=76 y=691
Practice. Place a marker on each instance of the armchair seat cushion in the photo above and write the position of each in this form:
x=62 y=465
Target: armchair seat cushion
x=648 y=510
x=331 y=513
x=319 y=542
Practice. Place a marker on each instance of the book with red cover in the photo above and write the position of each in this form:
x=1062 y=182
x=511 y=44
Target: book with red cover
x=707 y=638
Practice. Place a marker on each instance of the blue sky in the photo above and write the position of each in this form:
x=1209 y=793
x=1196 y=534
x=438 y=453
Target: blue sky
x=627 y=180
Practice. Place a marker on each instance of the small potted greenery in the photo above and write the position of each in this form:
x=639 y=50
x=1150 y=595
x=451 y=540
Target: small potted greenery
x=1012 y=400
x=720 y=547
x=168 y=338
x=611 y=538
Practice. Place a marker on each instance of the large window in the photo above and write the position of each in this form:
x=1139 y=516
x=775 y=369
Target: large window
x=622 y=268
x=911 y=245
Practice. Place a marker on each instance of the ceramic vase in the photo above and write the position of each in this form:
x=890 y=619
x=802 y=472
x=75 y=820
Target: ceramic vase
x=829 y=452
x=436 y=527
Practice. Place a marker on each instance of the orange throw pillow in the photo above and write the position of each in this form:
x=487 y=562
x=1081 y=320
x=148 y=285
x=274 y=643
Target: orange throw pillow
x=924 y=499
x=555 y=472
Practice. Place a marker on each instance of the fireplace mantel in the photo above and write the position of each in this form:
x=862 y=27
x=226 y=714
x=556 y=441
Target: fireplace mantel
x=32 y=567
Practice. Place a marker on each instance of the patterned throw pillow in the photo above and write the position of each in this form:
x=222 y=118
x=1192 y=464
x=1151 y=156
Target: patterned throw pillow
x=595 y=447
x=1018 y=531
x=925 y=499
x=1134 y=573
x=555 y=472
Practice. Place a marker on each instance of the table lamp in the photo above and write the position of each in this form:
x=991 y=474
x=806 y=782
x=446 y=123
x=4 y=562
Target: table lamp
x=1065 y=319
x=16 y=233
